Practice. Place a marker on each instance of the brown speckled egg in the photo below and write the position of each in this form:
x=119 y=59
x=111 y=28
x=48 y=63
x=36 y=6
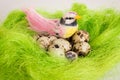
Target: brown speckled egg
x=82 y=48
x=43 y=42
x=80 y=36
x=59 y=47
x=63 y=43
x=71 y=55
x=56 y=50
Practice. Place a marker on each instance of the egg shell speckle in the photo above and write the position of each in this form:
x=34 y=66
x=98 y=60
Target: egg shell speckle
x=82 y=48
x=80 y=36
x=71 y=55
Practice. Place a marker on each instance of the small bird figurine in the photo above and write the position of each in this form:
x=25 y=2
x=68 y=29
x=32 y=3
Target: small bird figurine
x=69 y=22
x=64 y=27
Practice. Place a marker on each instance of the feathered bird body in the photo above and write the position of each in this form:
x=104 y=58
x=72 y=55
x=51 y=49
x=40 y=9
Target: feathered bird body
x=40 y=24
x=64 y=27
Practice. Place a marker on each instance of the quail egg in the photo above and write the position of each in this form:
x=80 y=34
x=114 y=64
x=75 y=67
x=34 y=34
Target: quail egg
x=43 y=42
x=63 y=43
x=56 y=50
x=80 y=36
x=82 y=48
x=71 y=55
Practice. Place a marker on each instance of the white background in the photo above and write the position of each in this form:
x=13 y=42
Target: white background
x=52 y=5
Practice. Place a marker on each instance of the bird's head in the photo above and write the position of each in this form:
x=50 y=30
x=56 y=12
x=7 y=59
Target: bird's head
x=70 y=19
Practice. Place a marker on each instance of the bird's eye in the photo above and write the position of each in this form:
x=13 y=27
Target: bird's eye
x=67 y=18
x=71 y=18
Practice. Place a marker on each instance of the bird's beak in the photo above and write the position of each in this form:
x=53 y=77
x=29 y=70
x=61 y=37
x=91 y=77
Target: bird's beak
x=77 y=17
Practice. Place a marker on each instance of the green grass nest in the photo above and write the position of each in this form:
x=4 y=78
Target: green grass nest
x=22 y=59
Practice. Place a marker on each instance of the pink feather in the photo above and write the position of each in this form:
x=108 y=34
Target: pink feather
x=40 y=24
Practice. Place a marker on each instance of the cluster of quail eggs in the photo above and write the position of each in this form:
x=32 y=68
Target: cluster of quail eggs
x=71 y=48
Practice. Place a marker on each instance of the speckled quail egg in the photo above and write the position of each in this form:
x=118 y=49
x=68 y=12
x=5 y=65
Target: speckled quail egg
x=80 y=36
x=82 y=48
x=71 y=55
x=56 y=50
x=43 y=42
x=63 y=43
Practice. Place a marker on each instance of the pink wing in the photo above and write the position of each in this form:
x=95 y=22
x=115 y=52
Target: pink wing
x=40 y=24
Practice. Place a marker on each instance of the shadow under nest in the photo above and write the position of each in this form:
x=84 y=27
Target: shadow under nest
x=22 y=59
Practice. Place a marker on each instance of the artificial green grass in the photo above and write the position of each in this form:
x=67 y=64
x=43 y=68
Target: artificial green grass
x=22 y=59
